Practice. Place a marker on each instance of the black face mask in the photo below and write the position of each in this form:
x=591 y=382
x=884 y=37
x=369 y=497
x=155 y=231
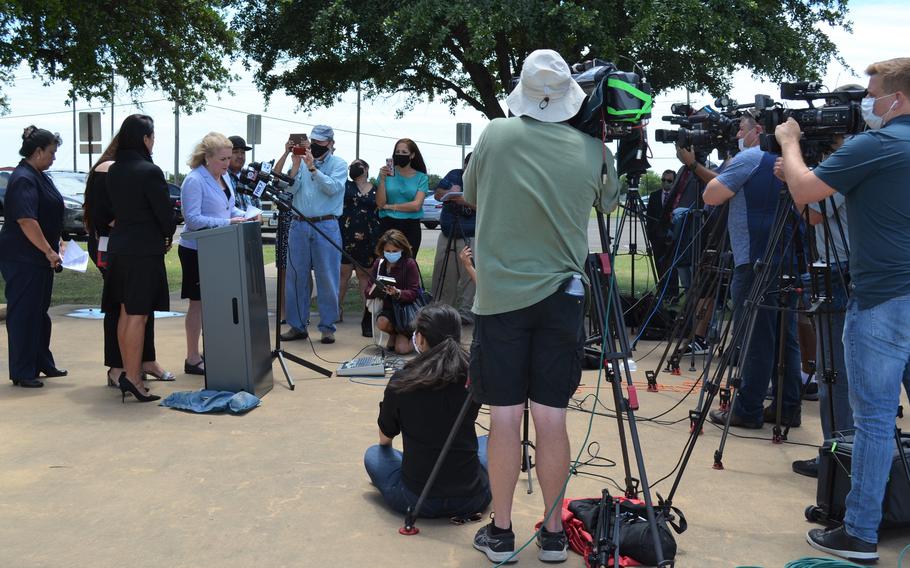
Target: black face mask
x=355 y=172
x=318 y=151
x=401 y=160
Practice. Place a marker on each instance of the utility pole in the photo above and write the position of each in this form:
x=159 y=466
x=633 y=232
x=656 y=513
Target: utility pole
x=75 y=141
x=176 y=139
x=357 y=147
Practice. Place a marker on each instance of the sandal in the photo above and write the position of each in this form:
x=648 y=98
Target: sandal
x=164 y=376
x=195 y=369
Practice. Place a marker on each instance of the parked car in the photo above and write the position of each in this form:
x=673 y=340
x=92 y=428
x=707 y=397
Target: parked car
x=4 y=178
x=71 y=186
x=174 y=191
x=431 y=211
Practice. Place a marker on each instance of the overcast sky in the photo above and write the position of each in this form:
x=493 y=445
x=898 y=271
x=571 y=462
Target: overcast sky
x=879 y=31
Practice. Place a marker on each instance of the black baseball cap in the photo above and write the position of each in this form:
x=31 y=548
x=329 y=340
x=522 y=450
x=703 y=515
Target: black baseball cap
x=239 y=142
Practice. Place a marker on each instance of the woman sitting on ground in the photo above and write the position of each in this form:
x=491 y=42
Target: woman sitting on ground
x=395 y=261
x=421 y=402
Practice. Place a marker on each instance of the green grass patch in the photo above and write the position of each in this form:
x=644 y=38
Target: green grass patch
x=77 y=288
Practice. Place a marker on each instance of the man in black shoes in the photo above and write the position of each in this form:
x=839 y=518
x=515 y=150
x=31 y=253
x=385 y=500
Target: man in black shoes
x=534 y=180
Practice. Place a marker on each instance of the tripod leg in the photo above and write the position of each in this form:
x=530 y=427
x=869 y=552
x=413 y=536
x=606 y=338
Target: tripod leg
x=284 y=368
x=526 y=462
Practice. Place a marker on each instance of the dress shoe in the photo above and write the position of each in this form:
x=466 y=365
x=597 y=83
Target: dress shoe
x=327 y=337
x=789 y=417
x=54 y=372
x=28 y=383
x=294 y=334
x=720 y=417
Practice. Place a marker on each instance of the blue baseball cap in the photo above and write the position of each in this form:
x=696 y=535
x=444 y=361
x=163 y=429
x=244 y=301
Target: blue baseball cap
x=321 y=133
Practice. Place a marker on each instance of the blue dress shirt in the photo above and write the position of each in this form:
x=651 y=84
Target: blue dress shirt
x=321 y=192
x=204 y=204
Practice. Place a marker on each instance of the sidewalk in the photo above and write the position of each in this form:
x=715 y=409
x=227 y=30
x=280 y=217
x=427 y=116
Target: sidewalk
x=88 y=481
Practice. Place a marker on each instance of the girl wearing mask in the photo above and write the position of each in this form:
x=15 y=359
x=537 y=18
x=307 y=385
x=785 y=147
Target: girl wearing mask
x=394 y=261
x=401 y=192
x=359 y=231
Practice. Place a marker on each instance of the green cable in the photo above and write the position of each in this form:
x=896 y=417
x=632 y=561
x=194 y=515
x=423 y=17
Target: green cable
x=584 y=444
x=900 y=559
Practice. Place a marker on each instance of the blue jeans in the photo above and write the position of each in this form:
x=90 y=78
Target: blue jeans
x=310 y=251
x=383 y=465
x=830 y=330
x=758 y=366
x=877 y=351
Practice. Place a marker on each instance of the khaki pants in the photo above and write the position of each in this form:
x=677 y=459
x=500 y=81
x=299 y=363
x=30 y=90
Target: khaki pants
x=455 y=287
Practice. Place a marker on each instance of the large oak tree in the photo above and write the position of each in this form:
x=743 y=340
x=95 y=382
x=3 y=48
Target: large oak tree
x=179 y=47
x=467 y=51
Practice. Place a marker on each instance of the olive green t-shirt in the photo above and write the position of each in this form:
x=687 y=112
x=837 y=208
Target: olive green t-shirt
x=534 y=184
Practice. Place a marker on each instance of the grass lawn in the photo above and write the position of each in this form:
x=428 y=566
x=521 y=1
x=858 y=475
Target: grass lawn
x=77 y=288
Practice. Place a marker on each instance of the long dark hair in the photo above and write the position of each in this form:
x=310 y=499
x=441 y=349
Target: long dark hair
x=133 y=131
x=446 y=362
x=417 y=160
x=89 y=197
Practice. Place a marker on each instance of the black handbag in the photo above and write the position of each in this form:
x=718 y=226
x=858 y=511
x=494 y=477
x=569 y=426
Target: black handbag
x=403 y=314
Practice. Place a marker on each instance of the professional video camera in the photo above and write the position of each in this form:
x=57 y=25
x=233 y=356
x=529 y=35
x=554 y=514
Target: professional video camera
x=259 y=178
x=840 y=115
x=706 y=129
x=617 y=101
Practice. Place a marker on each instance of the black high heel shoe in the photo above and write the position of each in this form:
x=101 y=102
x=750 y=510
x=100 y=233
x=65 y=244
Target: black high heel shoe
x=127 y=386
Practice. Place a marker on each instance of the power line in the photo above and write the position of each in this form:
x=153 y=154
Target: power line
x=68 y=111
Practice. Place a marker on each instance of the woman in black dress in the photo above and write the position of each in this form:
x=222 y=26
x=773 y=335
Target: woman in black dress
x=98 y=217
x=359 y=232
x=137 y=280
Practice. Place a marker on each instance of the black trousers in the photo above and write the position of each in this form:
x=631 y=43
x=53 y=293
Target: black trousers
x=410 y=228
x=28 y=327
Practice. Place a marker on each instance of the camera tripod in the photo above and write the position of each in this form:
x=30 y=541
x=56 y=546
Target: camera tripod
x=451 y=248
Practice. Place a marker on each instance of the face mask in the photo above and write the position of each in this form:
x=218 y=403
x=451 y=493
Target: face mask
x=873 y=120
x=414 y=342
x=355 y=172
x=318 y=151
x=401 y=160
x=392 y=257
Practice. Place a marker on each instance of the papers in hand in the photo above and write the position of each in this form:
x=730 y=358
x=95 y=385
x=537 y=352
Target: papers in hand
x=251 y=212
x=74 y=258
x=452 y=194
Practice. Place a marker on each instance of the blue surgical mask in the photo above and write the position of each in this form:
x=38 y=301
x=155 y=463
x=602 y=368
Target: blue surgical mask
x=873 y=120
x=392 y=257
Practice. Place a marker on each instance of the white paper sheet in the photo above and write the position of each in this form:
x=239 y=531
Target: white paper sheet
x=74 y=258
x=251 y=212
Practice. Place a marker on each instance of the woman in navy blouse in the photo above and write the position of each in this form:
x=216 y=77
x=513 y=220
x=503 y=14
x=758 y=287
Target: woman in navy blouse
x=207 y=202
x=29 y=245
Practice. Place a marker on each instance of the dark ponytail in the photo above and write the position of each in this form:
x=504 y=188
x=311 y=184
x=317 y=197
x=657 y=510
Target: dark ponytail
x=446 y=362
x=34 y=138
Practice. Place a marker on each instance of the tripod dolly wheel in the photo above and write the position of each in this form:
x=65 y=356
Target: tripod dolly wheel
x=814 y=514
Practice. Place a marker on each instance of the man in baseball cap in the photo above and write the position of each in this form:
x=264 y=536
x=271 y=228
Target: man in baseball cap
x=532 y=170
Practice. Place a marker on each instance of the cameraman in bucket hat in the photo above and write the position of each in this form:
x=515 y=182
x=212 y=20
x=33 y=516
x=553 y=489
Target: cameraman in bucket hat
x=534 y=180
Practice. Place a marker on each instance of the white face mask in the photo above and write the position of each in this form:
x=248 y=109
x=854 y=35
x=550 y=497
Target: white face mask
x=873 y=120
x=742 y=144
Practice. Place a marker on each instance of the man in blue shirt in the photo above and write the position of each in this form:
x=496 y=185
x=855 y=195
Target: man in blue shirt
x=451 y=282
x=872 y=171
x=318 y=191
x=748 y=182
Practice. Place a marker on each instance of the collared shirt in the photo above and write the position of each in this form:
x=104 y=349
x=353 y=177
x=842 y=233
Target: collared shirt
x=30 y=194
x=321 y=192
x=205 y=204
x=872 y=170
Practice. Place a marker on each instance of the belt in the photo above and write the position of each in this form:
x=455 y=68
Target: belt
x=316 y=219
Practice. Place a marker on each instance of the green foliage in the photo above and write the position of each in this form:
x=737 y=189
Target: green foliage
x=176 y=46
x=649 y=182
x=468 y=51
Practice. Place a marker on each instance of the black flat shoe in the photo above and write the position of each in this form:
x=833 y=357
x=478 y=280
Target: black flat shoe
x=27 y=383
x=54 y=372
x=126 y=386
x=193 y=369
